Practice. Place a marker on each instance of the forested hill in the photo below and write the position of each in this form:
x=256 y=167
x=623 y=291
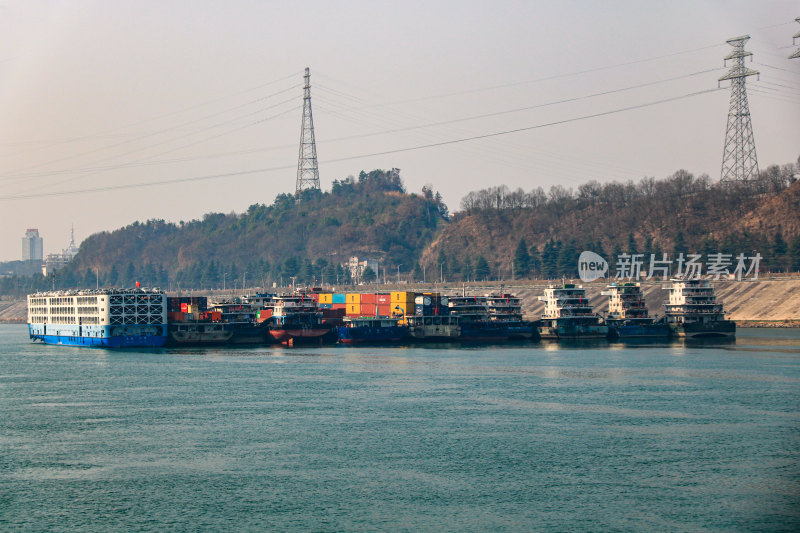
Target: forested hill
x=537 y=233
x=542 y=234
x=369 y=216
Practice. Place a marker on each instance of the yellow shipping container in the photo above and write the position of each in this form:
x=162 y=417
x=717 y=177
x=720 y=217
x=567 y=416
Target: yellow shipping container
x=326 y=298
x=353 y=298
x=403 y=296
x=353 y=309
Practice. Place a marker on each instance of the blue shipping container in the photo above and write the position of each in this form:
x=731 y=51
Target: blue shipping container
x=339 y=298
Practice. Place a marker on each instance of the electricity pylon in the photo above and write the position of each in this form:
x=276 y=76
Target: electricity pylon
x=307 y=169
x=739 y=161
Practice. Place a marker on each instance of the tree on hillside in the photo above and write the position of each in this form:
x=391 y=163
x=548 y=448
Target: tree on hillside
x=481 y=268
x=794 y=254
x=522 y=259
x=369 y=276
x=779 y=251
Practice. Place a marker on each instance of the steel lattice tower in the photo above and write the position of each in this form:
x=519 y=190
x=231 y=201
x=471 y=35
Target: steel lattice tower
x=739 y=161
x=796 y=54
x=307 y=169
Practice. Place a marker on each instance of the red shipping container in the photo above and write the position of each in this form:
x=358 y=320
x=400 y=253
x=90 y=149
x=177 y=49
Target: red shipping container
x=368 y=309
x=383 y=299
x=385 y=310
x=338 y=306
x=314 y=296
x=184 y=307
x=369 y=299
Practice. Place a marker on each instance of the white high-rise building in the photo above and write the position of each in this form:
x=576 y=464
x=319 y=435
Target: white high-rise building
x=32 y=249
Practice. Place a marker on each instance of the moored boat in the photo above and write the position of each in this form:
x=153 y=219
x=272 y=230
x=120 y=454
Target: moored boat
x=693 y=310
x=628 y=316
x=296 y=319
x=109 y=318
x=568 y=314
x=369 y=330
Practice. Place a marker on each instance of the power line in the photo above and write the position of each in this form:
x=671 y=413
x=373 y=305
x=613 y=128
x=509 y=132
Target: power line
x=360 y=156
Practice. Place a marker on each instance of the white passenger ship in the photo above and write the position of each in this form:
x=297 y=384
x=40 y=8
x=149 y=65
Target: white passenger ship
x=112 y=318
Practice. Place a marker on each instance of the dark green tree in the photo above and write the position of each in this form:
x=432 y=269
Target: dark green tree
x=522 y=260
x=481 y=268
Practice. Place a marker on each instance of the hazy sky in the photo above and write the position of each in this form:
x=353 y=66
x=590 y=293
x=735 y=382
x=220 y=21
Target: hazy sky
x=110 y=94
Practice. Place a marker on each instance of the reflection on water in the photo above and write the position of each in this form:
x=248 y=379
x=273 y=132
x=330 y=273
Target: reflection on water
x=589 y=436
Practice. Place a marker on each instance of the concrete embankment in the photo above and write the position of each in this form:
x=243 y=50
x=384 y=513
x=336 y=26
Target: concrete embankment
x=760 y=303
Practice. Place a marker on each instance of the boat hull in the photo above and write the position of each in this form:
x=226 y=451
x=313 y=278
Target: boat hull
x=577 y=331
x=648 y=331
x=100 y=336
x=372 y=335
x=293 y=335
x=699 y=330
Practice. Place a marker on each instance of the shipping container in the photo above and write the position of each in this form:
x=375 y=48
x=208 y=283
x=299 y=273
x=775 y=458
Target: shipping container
x=326 y=298
x=184 y=307
x=369 y=298
x=338 y=306
x=368 y=309
x=339 y=298
x=403 y=296
x=353 y=309
x=353 y=298
x=174 y=316
x=383 y=299
x=326 y=306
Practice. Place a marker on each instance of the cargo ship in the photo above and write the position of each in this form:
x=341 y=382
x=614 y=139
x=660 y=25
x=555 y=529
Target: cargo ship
x=628 y=317
x=506 y=309
x=474 y=321
x=568 y=314
x=190 y=323
x=433 y=328
x=693 y=310
x=296 y=318
x=108 y=318
x=372 y=330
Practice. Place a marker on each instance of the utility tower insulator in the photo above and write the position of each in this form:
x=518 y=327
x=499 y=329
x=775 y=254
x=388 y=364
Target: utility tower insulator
x=796 y=54
x=307 y=169
x=739 y=162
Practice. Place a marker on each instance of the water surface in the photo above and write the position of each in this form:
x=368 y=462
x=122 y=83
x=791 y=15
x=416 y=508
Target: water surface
x=579 y=437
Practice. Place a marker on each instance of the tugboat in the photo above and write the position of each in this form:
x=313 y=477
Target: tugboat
x=694 y=312
x=366 y=330
x=296 y=319
x=628 y=316
x=568 y=314
x=506 y=311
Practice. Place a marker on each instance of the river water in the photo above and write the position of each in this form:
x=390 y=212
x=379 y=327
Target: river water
x=580 y=437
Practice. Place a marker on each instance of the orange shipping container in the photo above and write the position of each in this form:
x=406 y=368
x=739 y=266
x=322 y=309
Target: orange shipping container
x=353 y=309
x=326 y=298
x=369 y=299
x=353 y=298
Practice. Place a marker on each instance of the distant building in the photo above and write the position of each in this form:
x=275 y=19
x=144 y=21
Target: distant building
x=32 y=245
x=56 y=261
x=357 y=267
